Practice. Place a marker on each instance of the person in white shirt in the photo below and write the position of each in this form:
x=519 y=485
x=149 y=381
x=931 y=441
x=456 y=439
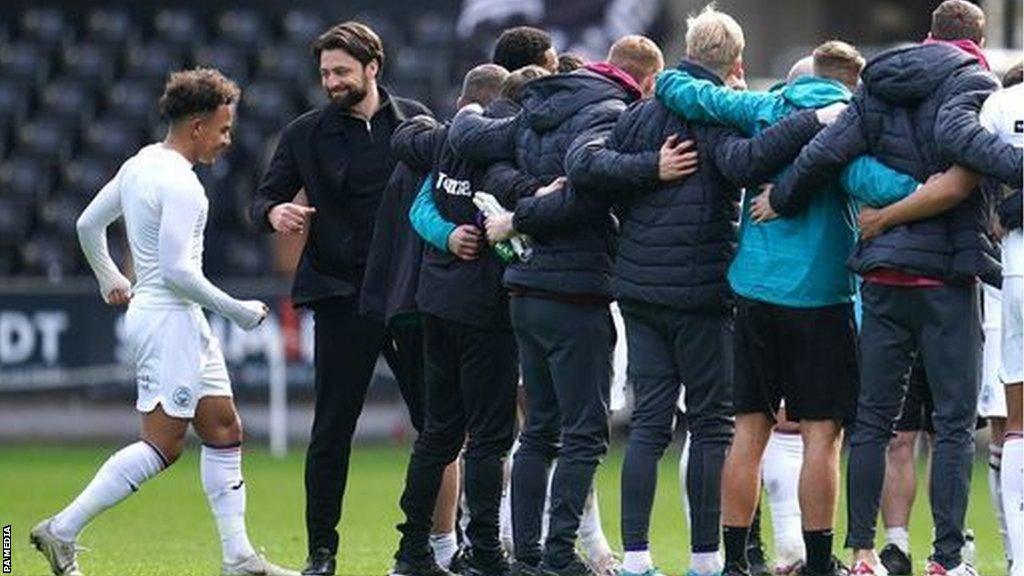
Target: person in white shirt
x=1003 y=114
x=180 y=370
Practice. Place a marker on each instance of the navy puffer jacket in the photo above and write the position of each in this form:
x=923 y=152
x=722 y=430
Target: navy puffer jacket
x=677 y=238
x=917 y=112
x=573 y=234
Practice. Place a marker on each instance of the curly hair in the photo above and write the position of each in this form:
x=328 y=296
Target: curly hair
x=521 y=46
x=196 y=91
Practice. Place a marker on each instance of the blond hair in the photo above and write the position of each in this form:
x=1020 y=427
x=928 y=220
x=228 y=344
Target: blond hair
x=636 y=55
x=838 y=60
x=714 y=39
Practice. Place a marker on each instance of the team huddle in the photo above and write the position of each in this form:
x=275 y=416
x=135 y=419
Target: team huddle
x=783 y=263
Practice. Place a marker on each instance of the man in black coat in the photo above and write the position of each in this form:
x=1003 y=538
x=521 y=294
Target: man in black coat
x=919 y=292
x=340 y=155
x=676 y=242
x=560 y=295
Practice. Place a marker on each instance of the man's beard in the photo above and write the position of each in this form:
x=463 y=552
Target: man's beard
x=349 y=97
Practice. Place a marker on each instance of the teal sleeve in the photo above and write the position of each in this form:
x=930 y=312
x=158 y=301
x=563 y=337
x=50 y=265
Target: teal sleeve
x=426 y=219
x=703 y=101
x=869 y=181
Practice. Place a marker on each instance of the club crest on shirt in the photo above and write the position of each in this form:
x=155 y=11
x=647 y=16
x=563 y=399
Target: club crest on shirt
x=182 y=396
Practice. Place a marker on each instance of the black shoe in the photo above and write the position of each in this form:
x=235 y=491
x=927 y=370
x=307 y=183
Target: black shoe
x=756 y=559
x=575 y=567
x=835 y=568
x=520 y=568
x=427 y=567
x=733 y=570
x=895 y=561
x=478 y=565
x=458 y=562
x=320 y=563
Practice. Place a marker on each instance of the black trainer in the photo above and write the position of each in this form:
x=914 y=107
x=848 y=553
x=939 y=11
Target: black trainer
x=477 y=565
x=575 y=567
x=319 y=563
x=734 y=570
x=896 y=562
x=835 y=568
x=756 y=558
x=427 y=567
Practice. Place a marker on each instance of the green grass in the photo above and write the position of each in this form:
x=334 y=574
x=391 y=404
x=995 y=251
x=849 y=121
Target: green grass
x=166 y=529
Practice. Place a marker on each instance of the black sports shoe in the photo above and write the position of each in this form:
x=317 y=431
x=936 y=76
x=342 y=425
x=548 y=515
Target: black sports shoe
x=895 y=561
x=733 y=570
x=836 y=568
x=426 y=567
x=520 y=568
x=319 y=563
x=477 y=565
x=575 y=567
x=756 y=558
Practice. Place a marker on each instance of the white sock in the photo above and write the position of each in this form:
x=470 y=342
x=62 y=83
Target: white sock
x=706 y=562
x=684 y=462
x=995 y=491
x=591 y=534
x=780 y=468
x=900 y=536
x=1012 y=480
x=445 y=546
x=637 y=562
x=221 y=470
x=117 y=479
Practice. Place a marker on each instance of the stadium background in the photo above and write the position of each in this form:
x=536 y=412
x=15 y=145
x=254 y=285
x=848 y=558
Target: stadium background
x=78 y=86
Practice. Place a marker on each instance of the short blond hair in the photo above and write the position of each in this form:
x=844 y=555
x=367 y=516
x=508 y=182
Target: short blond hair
x=714 y=39
x=637 y=55
x=838 y=60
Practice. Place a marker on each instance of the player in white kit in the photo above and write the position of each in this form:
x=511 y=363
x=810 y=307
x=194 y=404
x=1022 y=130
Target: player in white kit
x=179 y=366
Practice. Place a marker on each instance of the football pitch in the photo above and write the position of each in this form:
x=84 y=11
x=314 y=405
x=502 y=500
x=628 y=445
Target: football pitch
x=167 y=529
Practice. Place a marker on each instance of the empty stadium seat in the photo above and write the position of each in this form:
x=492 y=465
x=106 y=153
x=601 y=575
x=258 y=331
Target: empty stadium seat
x=302 y=26
x=25 y=177
x=24 y=62
x=134 y=100
x=178 y=27
x=431 y=29
x=271 y=104
x=68 y=99
x=111 y=27
x=85 y=175
x=16 y=220
x=50 y=139
x=61 y=212
x=231 y=60
x=152 y=61
x=45 y=26
x=50 y=253
x=112 y=137
x=286 y=63
x=89 y=64
x=241 y=27
x=14 y=101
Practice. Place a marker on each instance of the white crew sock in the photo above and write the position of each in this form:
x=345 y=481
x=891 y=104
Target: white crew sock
x=445 y=546
x=117 y=479
x=706 y=563
x=1012 y=480
x=684 y=462
x=221 y=470
x=591 y=534
x=995 y=491
x=900 y=536
x=780 y=468
x=637 y=562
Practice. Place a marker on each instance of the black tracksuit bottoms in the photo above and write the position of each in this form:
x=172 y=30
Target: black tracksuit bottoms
x=565 y=351
x=346 y=347
x=471 y=377
x=670 y=349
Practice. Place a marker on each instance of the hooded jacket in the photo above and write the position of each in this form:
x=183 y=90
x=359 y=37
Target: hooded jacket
x=573 y=235
x=678 y=238
x=908 y=113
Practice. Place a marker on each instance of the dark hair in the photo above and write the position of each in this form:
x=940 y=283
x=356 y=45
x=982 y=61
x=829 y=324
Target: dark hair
x=196 y=91
x=521 y=46
x=354 y=38
x=1013 y=76
x=569 y=61
x=958 y=20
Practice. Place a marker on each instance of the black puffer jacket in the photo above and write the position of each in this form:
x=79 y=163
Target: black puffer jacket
x=573 y=235
x=917 y=112
x=677 y=238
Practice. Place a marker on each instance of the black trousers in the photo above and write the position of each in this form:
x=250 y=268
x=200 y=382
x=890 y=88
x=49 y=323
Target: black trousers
x=943 y=325
x=346 y=347
x=470 y=378
x=566 y=356
x=668 y=349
